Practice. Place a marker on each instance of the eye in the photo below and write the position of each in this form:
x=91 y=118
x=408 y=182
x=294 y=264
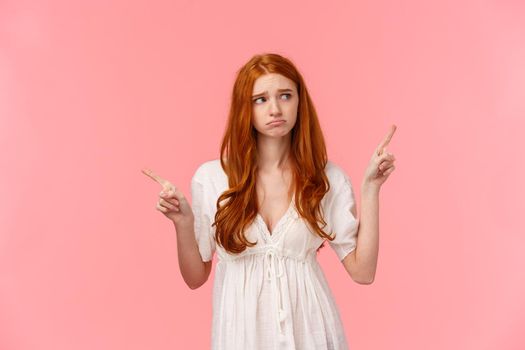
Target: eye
x=255 y=101
x=288 y=96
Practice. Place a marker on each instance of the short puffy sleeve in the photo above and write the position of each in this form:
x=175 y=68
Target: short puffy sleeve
x=341 y=214
x=202 y=206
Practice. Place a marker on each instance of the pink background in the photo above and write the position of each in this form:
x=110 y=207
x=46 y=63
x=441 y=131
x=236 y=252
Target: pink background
x=91 y=93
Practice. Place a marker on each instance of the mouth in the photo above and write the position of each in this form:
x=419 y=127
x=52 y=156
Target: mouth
x=275 y=122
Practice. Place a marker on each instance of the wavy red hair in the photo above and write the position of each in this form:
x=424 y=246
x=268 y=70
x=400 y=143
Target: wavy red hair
x=237 y=207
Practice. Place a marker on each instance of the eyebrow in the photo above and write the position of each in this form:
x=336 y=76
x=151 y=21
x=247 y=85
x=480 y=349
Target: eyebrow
x=280 y=90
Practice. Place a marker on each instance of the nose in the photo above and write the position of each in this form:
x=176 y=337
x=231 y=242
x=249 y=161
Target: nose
x=275 y=108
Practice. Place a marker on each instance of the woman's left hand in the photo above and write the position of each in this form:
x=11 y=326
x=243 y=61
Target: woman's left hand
x=381 y=165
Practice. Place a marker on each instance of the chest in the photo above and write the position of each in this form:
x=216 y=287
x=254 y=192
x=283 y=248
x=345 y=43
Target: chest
x=274 y=198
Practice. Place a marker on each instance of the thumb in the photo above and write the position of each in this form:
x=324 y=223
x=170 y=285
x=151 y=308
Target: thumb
x=173 y=192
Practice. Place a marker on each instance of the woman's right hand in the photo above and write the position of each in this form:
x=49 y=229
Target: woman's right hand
x=172 y=202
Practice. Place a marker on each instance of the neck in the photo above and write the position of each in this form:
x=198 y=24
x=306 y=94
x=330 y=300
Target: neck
x=273 y=152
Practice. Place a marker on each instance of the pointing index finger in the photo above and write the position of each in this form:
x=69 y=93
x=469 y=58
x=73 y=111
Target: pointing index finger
x=386 y=140
x=156 y=178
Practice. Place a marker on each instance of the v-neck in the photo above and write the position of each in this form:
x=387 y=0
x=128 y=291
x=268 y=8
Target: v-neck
x=280 y=221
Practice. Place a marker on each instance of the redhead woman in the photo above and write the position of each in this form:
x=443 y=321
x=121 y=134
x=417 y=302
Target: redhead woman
x=265 y=207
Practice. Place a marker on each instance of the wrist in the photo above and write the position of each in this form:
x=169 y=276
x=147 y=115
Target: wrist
x=184 y=223
x=368 y=188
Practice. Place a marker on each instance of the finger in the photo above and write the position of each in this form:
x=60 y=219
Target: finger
x=385 y=165
x=167 y=193
x=152 y=175
x=386 y=140
x=165 y=183
x=172 y=192
x=166 y=207
x=161 y=208
x=385 y=156
x=389 y=170
x=173 y=201
x=168 y=204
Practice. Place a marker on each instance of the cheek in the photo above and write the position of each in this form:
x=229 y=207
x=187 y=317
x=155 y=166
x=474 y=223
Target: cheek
x=257 y=118
x=292 y=110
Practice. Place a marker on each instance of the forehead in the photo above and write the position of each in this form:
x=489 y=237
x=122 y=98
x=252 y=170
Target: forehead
x=272 y=81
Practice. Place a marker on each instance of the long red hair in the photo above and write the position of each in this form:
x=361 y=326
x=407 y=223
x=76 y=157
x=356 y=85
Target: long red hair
x=237 y=207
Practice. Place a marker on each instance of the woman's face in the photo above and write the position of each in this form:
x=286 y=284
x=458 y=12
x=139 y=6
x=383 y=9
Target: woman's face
x=274 y=102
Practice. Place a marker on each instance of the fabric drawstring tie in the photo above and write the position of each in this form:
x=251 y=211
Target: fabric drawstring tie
x=274 y=270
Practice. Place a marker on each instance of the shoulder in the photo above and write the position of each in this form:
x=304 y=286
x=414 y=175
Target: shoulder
x=340 y=184
x=337 y=176
x=210 y=172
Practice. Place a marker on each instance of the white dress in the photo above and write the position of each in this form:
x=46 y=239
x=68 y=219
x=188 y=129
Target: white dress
x=275 y=295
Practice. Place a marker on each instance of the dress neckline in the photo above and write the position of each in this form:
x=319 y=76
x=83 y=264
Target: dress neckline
x=279 y=222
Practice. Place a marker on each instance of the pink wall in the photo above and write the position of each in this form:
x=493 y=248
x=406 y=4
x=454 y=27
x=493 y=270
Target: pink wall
x=91 y=93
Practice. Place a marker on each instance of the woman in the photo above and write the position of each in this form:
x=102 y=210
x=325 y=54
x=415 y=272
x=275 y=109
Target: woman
x=265 y=207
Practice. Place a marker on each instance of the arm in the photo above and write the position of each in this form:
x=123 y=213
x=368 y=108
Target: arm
x=361 y=263
x=173 y=205
x=194 y=271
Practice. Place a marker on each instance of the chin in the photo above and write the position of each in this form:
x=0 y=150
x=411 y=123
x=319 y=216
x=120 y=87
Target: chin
x=277 y=134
